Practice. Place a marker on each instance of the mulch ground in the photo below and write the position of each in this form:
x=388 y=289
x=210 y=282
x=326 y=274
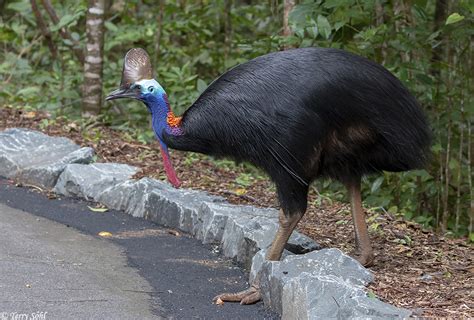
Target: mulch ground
x=414 y=268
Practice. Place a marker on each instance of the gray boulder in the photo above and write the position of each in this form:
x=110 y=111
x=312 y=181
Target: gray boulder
x=178 y=208
x=324 y=284
x=90 y=181
x=243 y=230
x=157 y=201
x=130 y=196
x=34 y=158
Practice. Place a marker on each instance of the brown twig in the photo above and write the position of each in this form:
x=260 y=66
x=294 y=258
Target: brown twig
x=63 y=32
x=380 y=20
x=44 y=29
x=227 y=29
x=242 y=196
x=132 y=145
x=287 y=7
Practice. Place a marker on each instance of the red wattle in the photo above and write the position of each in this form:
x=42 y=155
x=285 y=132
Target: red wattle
x=170 y=173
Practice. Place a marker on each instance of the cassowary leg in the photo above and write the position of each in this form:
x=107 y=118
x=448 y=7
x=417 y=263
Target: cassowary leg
x=287 y=225
x=363 y=253
x=253 y=294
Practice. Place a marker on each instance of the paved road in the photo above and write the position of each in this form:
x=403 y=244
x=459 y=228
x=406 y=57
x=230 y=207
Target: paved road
x=48 y=267
x=51 y=260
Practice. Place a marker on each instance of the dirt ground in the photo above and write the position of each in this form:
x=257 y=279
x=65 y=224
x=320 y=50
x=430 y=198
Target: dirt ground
x=414 y=268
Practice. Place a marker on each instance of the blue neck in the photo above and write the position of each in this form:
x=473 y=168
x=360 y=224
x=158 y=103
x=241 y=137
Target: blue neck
x=159 y=108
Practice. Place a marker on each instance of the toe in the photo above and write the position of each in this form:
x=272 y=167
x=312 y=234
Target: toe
x=252 y=298
x=230 y=297
x=248 y=296
x=365 y=259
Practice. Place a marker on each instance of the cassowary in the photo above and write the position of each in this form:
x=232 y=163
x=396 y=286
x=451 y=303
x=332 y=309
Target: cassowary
x=299 y=115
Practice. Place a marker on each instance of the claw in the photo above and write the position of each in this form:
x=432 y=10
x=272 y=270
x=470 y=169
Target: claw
x=248 y=296
x=252 y=298
x=365 y=258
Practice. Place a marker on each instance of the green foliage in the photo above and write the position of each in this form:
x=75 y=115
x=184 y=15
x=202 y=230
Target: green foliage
x=453 y=18
x=28 y=76
x=193 y=51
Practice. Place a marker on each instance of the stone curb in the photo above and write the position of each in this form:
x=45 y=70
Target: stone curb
x=312 y=285
x=35 y=158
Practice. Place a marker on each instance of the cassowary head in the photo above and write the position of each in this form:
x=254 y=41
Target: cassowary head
x=137 y=80
x=138 y=83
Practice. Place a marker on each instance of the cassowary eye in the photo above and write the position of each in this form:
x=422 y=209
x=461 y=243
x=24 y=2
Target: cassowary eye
x=150 y=89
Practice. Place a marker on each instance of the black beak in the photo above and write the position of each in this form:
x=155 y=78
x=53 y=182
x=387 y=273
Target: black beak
x=122 y=93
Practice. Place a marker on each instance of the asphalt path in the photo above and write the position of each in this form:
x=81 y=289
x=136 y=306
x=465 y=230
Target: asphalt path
x=52 y=260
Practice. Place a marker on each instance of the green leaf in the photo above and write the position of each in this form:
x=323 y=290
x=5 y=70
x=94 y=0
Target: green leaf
x=201 y=85
x=98 y=209
x=376 y=185
x=324 y=26
x=312 y=31
x=110 y=26
x=338 y=25
x=300 y=12
x=328 y=4
x=75 y=36
x=67 y=20
x=28 y=91
x=393 y=209
x=20 y=6
x=453 y=18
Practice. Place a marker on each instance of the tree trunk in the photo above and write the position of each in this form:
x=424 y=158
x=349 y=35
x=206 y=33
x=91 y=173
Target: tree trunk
x=447 y=180
x=2 y=5
x=92 y=87
x=470 y=164
x=288 y=6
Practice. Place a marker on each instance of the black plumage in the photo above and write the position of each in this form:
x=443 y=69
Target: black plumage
x=308 y=113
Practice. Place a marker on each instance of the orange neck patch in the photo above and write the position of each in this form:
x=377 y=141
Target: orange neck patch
x=172 y=120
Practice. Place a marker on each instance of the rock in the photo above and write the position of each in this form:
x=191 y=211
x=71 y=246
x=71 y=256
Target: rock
x=214 y=219
x=325 y=284
x=47 y=175
x=177 y=208
x=157 y=201
x=244 y=230
x=34 y=158
x=259 y=259
x=90 y=181
x=299 y=244
x=130 y=196
x=247 y=232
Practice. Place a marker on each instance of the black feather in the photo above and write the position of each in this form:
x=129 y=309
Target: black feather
x=307 y=113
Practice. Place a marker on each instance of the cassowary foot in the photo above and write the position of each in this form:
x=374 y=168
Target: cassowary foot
x=365 y=257
x=249 y=296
